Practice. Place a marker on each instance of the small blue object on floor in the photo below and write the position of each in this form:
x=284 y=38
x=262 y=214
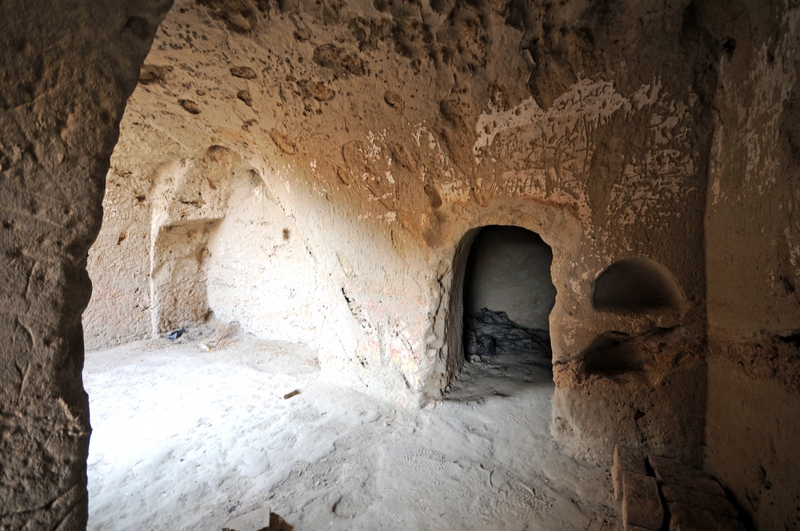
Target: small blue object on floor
x=175 y=334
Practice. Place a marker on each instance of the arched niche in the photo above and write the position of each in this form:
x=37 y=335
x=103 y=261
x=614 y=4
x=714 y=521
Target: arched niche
x=636 y=285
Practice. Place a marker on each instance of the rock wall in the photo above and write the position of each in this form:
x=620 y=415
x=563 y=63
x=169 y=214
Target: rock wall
x=260 y=274
x=386 y=133
x=63 y=89
x=365 y=143
x=753 y=242
x=188 y=238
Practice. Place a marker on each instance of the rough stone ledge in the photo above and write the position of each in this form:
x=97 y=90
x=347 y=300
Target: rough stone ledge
x=626 y=460
x=695 y=498
x=768 y=357
x=641 y=504
x=667 y=494
x=686 y=517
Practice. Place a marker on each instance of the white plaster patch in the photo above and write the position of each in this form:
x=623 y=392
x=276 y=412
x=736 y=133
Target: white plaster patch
x=715 y=191
x=794 y=250
x=420 y=129
x=454 y=191
x=772 y=82
x=417 y=134
x=373 y=151
x=637 y=195
x=577 y=292
x=531 y=182
x=585 y=100
x=646 y=95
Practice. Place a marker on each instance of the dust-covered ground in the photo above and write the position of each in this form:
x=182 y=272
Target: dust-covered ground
x=185 y=438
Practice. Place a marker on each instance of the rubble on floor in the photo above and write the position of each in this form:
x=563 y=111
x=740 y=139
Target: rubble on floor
x=259 y=520
x=489 y=333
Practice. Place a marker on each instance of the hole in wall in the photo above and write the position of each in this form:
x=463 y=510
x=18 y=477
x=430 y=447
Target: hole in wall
x=611 y=354
x=636 y=285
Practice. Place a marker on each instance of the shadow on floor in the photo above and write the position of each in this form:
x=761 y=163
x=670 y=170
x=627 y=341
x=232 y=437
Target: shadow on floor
x=503 y=375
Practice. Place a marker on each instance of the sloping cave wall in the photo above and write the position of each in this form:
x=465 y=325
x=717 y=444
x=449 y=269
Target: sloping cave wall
x=753 y=264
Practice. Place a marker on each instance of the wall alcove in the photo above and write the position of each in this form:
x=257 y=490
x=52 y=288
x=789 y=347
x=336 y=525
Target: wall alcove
x=628 y=286
x=636 y=285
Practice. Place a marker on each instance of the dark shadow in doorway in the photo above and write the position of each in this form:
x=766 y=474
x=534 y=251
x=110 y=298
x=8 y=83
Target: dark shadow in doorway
x=508 y=295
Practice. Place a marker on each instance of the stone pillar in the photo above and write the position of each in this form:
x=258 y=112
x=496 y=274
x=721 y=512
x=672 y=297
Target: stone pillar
x=67 y=68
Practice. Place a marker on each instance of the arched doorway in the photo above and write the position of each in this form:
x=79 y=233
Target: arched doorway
x=508 y=295
x=502 y=298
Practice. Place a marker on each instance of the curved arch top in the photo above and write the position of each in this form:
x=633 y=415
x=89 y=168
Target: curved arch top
x=636 y=285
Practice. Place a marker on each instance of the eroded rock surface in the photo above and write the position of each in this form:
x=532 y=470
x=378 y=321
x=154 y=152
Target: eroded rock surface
x=63 y=87
x=384 y=133
x=317 y=172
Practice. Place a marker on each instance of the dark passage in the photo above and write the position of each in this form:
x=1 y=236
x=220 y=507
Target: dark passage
x=508 y=295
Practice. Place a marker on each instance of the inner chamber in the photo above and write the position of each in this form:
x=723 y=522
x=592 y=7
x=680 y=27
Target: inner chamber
x=508 y=295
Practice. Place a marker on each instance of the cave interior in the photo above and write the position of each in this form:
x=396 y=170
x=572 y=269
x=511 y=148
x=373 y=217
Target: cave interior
x=397 y=195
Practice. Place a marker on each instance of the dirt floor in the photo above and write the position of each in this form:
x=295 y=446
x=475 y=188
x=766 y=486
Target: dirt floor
x=189 y=438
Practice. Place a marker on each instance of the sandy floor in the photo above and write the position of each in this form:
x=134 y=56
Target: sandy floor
x=186 y=439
